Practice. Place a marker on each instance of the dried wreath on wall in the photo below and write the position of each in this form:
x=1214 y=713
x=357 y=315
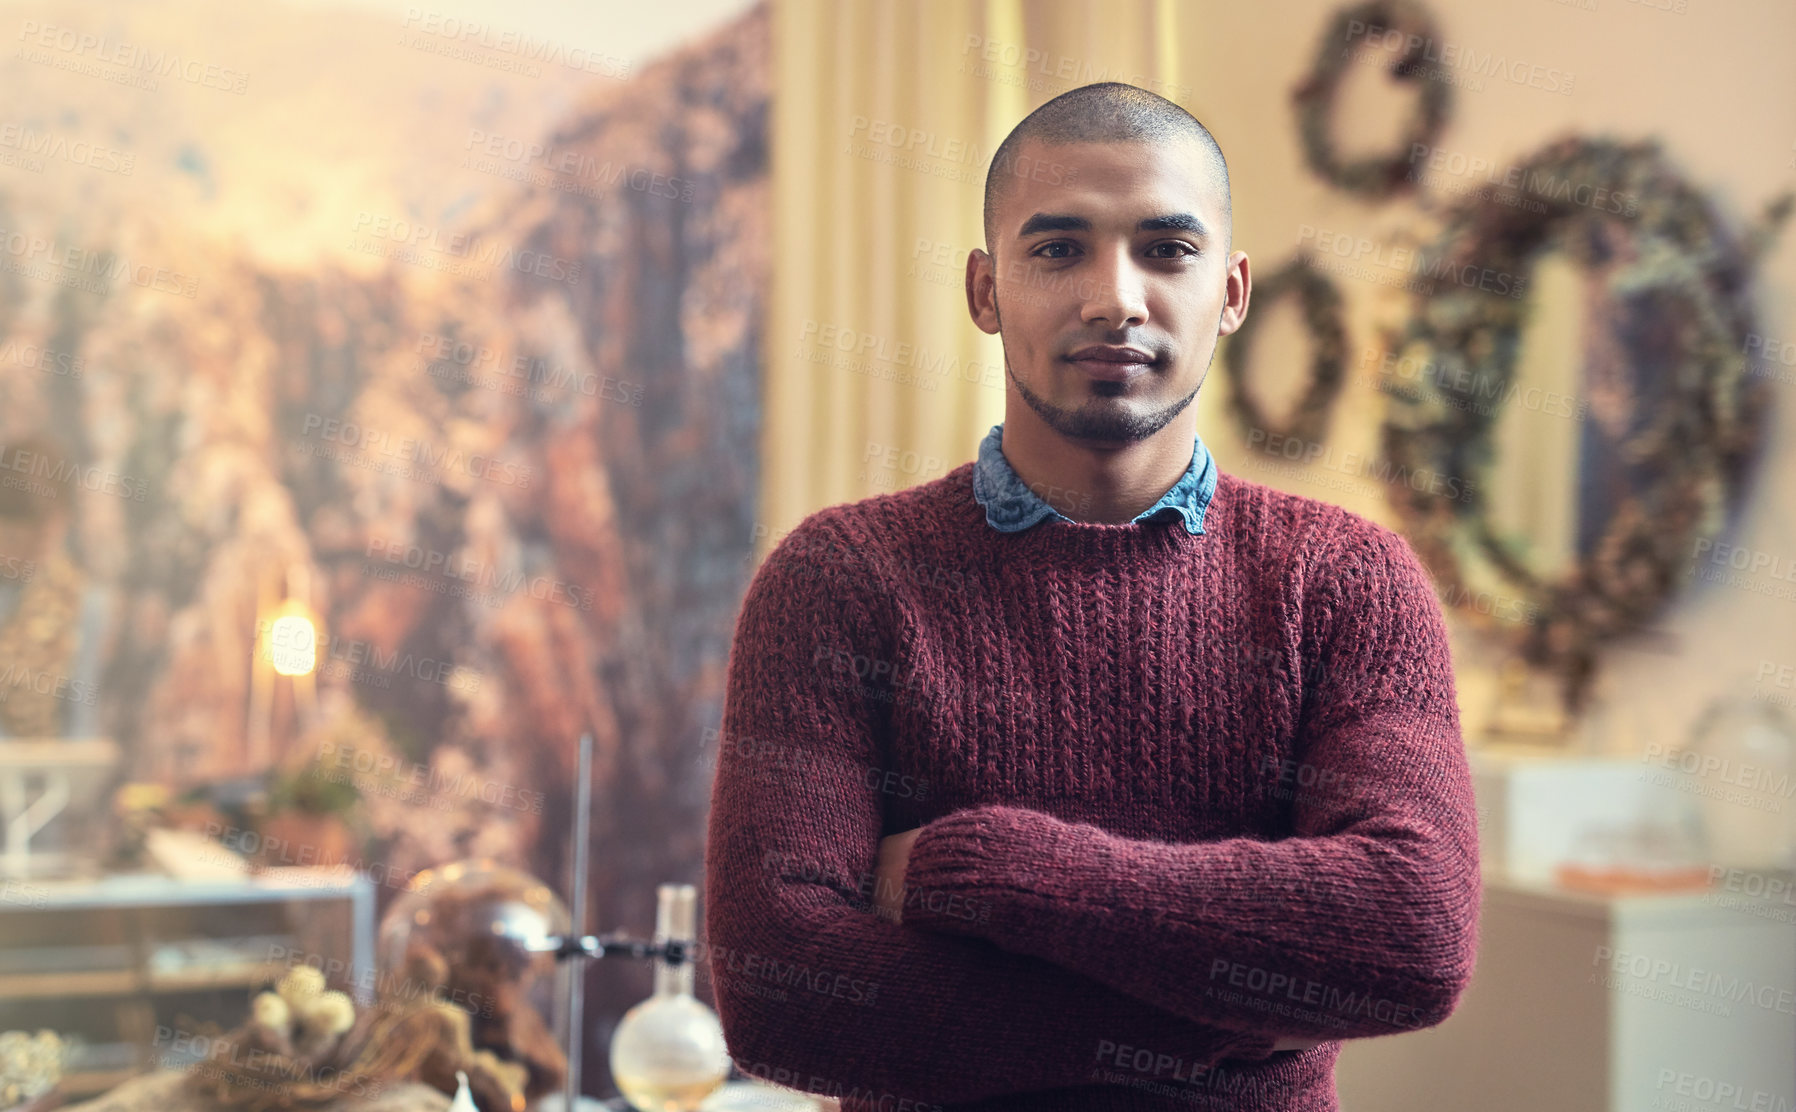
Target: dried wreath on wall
x=1670 y=392
x=1353 y=28
x=1324 y=321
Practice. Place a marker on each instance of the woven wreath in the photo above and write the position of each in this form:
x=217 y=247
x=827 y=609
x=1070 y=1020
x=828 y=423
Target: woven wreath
x=1324 y=320
x=1673 y=272
x=1341 y=43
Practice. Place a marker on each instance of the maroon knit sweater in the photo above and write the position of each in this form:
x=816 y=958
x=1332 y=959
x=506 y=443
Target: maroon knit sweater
x=1181 y=795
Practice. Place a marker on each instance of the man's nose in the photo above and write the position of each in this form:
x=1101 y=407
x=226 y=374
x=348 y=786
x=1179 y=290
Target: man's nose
x=1118 y=296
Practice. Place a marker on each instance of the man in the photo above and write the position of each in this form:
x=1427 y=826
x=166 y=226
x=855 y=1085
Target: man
x=1088 y=776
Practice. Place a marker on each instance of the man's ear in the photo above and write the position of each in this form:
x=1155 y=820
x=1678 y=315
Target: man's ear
x=1239 y=291
x=982 y=291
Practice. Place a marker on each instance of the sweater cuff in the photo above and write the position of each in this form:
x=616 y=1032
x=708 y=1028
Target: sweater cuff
x=964 y=867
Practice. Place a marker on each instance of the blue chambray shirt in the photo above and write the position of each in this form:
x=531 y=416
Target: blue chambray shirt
x=1010 y=506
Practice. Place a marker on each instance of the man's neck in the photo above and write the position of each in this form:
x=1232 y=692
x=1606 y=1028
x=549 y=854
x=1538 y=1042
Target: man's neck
x=1102 y=483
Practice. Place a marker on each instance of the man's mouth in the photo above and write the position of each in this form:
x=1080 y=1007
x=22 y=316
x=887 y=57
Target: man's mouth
x=1113 y=362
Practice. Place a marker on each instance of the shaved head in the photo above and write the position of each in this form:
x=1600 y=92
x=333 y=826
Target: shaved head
x=1107 y=112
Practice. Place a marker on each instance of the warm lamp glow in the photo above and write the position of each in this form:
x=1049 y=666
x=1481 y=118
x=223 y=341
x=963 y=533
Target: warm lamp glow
x=293 y=645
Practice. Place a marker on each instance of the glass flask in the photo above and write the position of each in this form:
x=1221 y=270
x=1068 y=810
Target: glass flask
x=1740 y=764
x=668 y=1053
x=474 y=925
x=484 y=936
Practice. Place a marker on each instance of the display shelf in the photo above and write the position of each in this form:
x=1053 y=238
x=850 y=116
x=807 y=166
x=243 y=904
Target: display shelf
x=105 y=982
x=226 y=976
x=114 y=963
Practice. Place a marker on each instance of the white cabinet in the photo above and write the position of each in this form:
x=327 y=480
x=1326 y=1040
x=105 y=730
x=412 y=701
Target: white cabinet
x=1588 y=1003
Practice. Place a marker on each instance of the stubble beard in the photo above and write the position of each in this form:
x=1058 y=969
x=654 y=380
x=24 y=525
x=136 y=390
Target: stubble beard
x=1096 y=420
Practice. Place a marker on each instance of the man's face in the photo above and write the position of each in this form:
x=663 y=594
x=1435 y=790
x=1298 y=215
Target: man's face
x=1110 y=284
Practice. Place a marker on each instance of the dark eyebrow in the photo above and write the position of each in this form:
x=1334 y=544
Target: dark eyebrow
x=1053 y=222
x=1046 y=222
x=1174 y=222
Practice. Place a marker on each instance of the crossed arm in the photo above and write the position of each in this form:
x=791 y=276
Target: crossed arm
x=1362 y=922
x=889 y=892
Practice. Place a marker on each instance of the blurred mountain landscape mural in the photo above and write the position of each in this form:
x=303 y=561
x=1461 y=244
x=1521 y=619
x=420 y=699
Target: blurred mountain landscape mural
x=481 y=398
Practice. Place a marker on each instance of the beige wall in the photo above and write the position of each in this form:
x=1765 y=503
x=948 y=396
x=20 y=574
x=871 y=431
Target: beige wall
x=877 y=247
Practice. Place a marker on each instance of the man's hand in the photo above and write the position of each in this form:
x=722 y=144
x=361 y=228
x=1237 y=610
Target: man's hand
x=888 y=875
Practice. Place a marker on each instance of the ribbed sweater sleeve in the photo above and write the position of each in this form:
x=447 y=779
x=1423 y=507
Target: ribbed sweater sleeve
x=815 y=990
x=1362 y=922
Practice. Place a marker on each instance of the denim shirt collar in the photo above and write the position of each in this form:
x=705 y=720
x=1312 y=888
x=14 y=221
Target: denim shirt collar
x=1010 y=506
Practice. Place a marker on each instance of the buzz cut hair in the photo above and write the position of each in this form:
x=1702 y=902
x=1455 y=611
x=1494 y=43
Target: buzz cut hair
x=1106 y=112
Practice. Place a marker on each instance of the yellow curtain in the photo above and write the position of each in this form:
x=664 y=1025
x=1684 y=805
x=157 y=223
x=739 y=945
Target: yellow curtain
x=885 y=118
